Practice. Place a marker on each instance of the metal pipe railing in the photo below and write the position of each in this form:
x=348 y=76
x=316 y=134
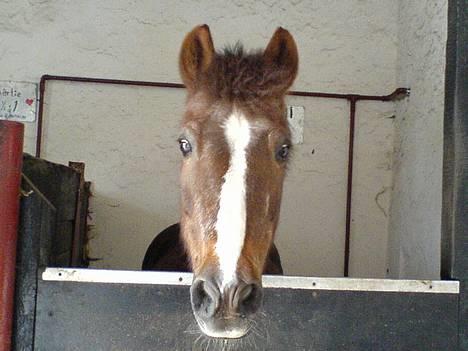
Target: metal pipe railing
x=352 y=98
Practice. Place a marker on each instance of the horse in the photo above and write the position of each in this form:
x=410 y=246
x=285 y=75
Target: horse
x=235 y=144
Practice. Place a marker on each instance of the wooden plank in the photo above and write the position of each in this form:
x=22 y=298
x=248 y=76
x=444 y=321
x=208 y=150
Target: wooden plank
x=268 y=281
x=455 y=178
x=37 y=221
x=103 y=316
x=454 y=246
x=58 y=183
x=63 y=244
x=66 y=189
x=463 y=316
x=80 y=223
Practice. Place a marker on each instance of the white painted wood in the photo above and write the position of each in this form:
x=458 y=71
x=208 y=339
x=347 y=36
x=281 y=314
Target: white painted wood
x=269 y=281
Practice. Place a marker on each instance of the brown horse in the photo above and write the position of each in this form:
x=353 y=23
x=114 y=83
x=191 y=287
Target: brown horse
x=235 y=144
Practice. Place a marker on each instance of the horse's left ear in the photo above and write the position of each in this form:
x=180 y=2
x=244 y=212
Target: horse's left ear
x=282 y=54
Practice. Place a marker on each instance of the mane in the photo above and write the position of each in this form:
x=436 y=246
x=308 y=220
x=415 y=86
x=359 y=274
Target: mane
x=237 y=74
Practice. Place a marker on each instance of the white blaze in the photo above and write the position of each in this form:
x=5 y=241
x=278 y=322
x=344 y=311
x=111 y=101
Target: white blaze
x=231 y=219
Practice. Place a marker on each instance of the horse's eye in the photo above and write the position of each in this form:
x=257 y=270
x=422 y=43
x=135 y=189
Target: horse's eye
x=185 y=146
x=282 y=153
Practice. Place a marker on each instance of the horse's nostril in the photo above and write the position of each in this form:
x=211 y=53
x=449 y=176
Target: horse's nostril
x=199 y=294
x=205 y=297
x=246 y=292
x=248 y=299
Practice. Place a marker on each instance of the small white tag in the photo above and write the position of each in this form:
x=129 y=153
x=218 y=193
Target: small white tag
x=296 y=123
x=18 y=101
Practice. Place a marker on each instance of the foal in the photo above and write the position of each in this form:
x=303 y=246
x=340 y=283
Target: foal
x=235 y=143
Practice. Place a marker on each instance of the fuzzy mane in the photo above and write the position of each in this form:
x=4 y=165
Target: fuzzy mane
x=239 y=75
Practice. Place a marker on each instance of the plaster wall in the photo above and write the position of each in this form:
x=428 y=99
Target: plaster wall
x=126 y=135
x=415 y=216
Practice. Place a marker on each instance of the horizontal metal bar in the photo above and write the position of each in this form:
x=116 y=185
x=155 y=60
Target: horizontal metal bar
x=396 y=94
x=112 y=81
x=269 y=281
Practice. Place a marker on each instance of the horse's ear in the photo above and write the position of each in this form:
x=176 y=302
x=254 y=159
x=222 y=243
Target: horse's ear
x=196 y=55
x=282 y=54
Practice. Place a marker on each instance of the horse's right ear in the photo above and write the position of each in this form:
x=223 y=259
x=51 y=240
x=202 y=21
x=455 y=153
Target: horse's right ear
x=281 y=53
x=196 y=55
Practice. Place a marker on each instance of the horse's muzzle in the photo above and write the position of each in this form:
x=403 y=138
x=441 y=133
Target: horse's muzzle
x=224 y=312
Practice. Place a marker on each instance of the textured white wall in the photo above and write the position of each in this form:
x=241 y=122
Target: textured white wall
x=415 y=224
x=126 y=135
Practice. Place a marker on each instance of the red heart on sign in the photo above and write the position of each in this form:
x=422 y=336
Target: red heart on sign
x=29 y=101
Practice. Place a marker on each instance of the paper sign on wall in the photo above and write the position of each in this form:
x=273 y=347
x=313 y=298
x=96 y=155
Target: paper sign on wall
x=18 y=101
x=296 y=123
